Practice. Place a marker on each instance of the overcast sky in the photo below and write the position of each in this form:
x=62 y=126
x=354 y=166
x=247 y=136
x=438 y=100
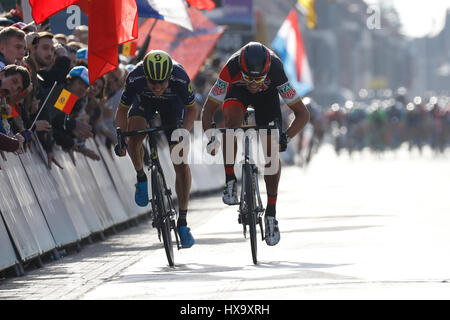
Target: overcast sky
x=420 y=17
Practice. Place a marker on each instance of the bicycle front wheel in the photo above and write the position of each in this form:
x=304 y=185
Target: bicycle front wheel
x=251 y=210
x=161 y=216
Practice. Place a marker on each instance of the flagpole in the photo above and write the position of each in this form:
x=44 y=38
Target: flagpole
x=43 y=106
x=146 y=42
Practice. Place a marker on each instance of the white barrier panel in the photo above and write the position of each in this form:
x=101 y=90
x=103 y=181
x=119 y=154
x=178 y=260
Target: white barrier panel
x=29 y=203
x=53 y=208
x=132 y=209
x=17 y=224
x=93 y=193
x=206 y=173
x=71 y=174
x=106 y=186
x=70 y=193
x=7 y=255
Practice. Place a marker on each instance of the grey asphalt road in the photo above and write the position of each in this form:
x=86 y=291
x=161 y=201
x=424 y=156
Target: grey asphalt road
x=360 y=227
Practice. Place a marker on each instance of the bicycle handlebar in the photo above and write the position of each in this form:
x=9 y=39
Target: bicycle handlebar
x=121 y=135
x=276 y=125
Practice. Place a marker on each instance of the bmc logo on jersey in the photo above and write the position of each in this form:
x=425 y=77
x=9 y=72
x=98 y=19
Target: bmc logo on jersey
x=286 y=91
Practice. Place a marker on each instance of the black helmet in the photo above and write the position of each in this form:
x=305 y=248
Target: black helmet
x=255 y=59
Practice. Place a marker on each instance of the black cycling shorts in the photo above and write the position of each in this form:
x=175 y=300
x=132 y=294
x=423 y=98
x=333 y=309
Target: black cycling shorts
x=266 y=103
x=170 y=115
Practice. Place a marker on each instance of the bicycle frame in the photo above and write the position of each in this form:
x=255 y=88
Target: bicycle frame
x=250 y=207
x=162 y=204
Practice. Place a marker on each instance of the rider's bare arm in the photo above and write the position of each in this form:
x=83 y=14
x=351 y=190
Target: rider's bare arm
x=209 y=109
x=301 y=114
x=189 y=118
x=120 y=120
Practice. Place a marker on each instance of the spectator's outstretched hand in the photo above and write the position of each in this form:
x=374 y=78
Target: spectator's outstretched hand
x=21 y=140
x=82 y=130
x=51 y=159
x=43 y=125
x=72 y=156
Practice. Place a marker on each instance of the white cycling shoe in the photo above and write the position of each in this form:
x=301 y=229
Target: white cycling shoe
x=230 y=193
x=272 y=235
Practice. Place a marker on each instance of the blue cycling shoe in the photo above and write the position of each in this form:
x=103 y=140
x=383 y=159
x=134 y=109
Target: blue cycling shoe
x=187 y=240
x=141 y=194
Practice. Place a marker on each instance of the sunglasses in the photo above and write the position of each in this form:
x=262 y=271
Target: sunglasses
x=250 y=79
x=156 y=81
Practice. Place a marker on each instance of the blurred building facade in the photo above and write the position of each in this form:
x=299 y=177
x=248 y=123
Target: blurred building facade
x=354 y=46
x=432 y=62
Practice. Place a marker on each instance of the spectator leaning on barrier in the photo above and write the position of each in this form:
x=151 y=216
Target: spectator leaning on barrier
x=12 y=46
x=41 y=55
x=115 y=81
x=71 y=133
x=13 y=79
x=96 y=109
x=11 y=144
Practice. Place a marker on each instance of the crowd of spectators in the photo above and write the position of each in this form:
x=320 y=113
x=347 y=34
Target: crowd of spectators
x=35 y=65
x=49 y=61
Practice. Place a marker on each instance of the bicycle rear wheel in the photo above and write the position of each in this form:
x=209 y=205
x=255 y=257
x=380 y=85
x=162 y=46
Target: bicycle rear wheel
x=251 y=210
x=163 y=219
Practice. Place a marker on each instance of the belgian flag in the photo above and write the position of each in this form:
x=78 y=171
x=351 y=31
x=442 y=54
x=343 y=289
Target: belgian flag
x=65 y=101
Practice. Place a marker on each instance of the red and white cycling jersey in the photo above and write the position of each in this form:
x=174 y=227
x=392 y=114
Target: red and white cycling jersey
x=275 y=81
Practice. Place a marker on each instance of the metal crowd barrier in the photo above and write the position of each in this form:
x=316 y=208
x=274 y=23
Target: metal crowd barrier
x=43 y=210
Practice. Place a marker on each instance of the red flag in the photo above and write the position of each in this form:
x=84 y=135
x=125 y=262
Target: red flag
x=188 y=48
x=202 y=4
x=110 y=23
x=42 y=9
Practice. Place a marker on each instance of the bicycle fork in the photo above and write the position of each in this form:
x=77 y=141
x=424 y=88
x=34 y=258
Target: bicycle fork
x=259 y=208
x=244 y=210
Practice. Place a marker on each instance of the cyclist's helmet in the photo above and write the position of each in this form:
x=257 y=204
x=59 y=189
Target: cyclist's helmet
x=157 y=65
x=254 y=59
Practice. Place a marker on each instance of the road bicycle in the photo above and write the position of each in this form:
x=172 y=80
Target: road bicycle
x=163 y=212
x=250 y=209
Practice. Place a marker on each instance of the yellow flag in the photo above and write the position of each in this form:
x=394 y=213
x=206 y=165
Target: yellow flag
x=311 y=18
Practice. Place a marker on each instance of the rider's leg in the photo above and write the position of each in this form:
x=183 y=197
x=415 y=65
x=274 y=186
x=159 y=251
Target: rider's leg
x=233 y=113
x=272 y=174
x=135 y=149
x=183 y=181
x=182 y=188
x=136 y=153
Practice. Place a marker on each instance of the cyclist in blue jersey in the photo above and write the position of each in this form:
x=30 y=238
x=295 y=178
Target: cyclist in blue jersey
x=158 y=84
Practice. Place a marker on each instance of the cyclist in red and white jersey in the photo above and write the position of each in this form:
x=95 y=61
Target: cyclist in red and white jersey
x=254 y=75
